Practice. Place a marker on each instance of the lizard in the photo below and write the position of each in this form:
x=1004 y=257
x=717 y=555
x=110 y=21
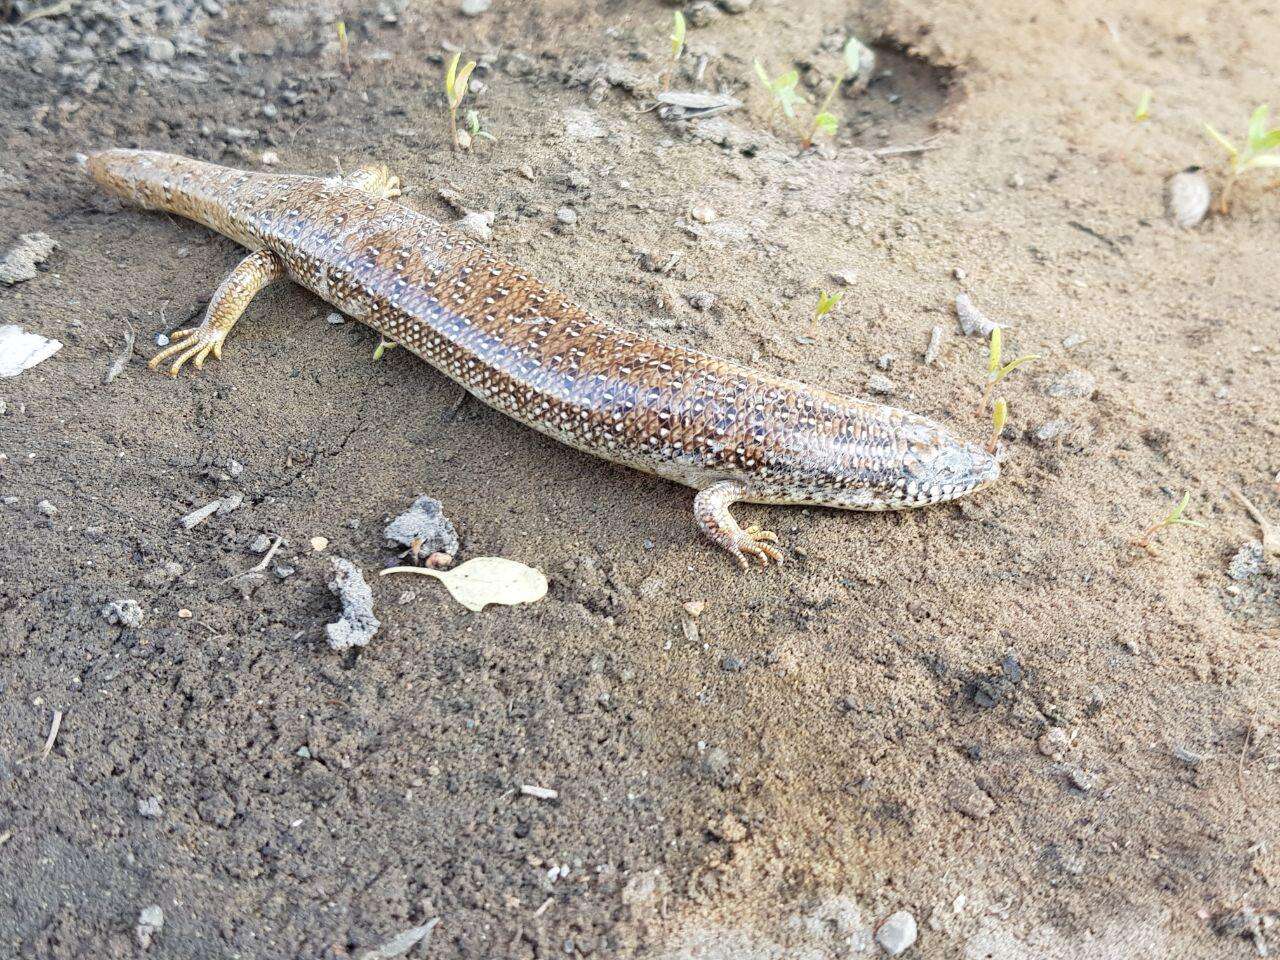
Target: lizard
x=730 y=432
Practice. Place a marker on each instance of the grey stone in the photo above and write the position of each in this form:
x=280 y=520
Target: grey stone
x=425 y=527
x=879 y=385
x=897 y=934
x=474 y=8
x=158 y=49
x=1247 y=562
x=357 y=625
x=150 y=922
x=1072 y=385
x=123 y=613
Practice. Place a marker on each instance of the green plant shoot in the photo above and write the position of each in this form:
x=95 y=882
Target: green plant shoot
x=382 y=347
x=782 y=88
x=344 y=51
x=997 y=370
x=1175 y=517
x=1144 y=106
x=455 y=88
x=999 y=416
x=475 y=131
x=677 y=36
x=826 y=303
x=1259 y=152
x=677 y=48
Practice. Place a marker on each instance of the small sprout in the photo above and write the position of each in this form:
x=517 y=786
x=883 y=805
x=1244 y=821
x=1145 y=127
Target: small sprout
x=1260 y=151
x=677 y=47
x=383 y=346
x=999 y=416
x=1175 y=517
x=344 y=50
x=826 y=303
x=997 y=370
x=455 y=88
x=1144 y=106
x=475 y=131
x=782 y=88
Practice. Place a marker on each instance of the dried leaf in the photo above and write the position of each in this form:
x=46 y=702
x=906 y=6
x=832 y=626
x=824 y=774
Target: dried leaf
x=485 y=580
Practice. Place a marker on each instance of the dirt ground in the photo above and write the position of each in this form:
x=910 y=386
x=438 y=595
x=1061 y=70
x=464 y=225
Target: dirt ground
x=1000 y=715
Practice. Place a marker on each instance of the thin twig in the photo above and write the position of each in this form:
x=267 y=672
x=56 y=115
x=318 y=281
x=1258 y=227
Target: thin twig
x=53 y=734
x=1244 y=792
x=902 y=151
x=1270 y=536
x=258 y=569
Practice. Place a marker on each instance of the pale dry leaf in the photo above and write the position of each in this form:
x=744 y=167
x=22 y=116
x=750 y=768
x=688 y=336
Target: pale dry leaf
x=485 y=580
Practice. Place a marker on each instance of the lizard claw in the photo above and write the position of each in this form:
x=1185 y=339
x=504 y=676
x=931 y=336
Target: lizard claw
x=755 y=543
x=192 y=344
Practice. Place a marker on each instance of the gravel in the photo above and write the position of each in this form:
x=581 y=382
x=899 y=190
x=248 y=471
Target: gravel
x=973 y=323
x=1072 y=385
x=150 y=922
x=476 y=224
x=1247 y=562
x=1187 y=197
x=424 y=527
x=879 y=385
x=20 y=262
x=123 y=613
x=357 y=625
x=897 y=934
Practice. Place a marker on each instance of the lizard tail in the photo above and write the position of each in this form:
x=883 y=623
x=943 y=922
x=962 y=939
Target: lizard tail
x=164 y=181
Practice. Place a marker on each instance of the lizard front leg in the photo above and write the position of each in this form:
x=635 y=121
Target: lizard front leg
x=376 y=179
x=227 y=306
x=711 y=510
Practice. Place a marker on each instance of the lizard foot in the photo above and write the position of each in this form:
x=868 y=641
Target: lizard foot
x=225 y=308
x=194 y=344
x=711 y=510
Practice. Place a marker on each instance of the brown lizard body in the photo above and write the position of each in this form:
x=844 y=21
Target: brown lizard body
x=730 y=432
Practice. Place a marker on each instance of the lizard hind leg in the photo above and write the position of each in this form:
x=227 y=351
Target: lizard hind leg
x=711 y=510
x=376 y=179
x=227 y=306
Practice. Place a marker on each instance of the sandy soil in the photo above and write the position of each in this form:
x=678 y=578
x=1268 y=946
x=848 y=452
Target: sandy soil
x=1000 y=716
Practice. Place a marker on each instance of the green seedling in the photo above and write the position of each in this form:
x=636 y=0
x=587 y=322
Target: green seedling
x=677 y=47
x=997 y=370
x=1260 y=151
x=475 y=131
x=826 y=303
x=1176 y=517
x=383 y=346
x=455 y=88
x=999 y=416
x=784 y=93
x=782 y=89
x=1144 y=106
x=344 y=50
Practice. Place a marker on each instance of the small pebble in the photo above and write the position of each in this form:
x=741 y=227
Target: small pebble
x=149 y=807
x=695 y=608
x=567 y=215
x=846 y=278
x=47 y=508
x=270 y=158
x=1054 y=743
x=261 y=543
x=123 y=613
x=185 y=614
x=474 y=8
x=897 y=934
x=1081 y=780
x=335 y=318
x=701 y=300
x=703 y=214
x=150 y=922
x=1187 y=197
x=319 y=544
x=732 y=663
x=1074 y=384
x=879 y=385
